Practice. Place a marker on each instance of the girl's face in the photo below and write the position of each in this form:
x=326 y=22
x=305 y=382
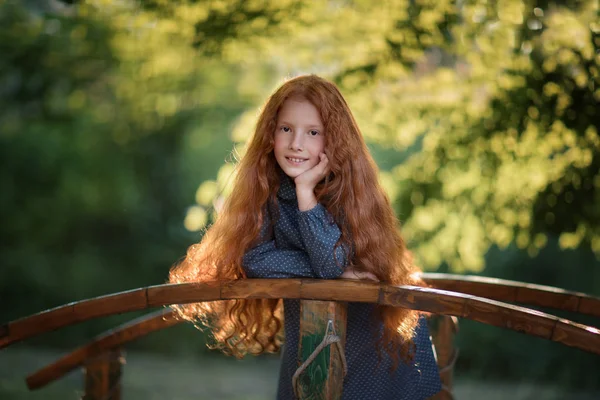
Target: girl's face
x=298 y=136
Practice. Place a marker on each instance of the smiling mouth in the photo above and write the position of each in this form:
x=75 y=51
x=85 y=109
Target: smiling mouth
x=296 y=161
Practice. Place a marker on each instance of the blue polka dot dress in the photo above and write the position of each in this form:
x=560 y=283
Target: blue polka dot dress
x=302 y=245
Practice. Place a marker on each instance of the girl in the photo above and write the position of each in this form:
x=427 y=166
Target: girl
x=306 y=203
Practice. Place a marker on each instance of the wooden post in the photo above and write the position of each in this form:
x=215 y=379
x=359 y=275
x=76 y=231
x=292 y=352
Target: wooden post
x=103 y=376
x=323 y=378
x=443 y=332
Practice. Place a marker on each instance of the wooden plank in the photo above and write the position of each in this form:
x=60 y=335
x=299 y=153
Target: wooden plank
x=182 y=293
x=590 y=306
x=512 y=317
x=116 y=303
x=73 y=313
x=41 y=322
x=261 y=289
x=102 y=306
x=488 y=289
x=114 y=338
x=324 y=376
x=544 y=298
x=340 y=290
x=491 y=312
x=103 y=376
x=516 y=292
x=444 y=329
x=577 y=335
x=423 y=299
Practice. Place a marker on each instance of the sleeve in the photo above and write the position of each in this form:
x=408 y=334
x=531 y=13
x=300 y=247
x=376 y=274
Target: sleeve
x=267 y=261
x=320 y=234
x=428 y=380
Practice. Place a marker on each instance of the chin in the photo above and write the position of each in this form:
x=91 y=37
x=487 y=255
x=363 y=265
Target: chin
x=294 y=171
x=292 y=174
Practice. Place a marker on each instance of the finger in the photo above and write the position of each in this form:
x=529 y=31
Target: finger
x=327 y=169
x=323 y=164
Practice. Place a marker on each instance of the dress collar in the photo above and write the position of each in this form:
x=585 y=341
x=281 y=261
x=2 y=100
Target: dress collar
x=287 y=188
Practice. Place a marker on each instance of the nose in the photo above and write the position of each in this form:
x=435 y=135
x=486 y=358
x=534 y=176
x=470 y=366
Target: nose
x=297 y=142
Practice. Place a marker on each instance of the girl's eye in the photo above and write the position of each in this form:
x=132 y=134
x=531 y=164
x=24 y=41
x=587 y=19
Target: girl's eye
x=285 y=129
x=313 y=132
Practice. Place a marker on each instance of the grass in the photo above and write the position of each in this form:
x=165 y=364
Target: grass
x=148 y=377
x=153 y=377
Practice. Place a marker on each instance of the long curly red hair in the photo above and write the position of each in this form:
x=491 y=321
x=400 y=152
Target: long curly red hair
x=351 y=194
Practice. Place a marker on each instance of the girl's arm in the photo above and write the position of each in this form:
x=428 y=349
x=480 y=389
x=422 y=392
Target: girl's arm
x=318 y=230
x=267 y=261
x=320 y=234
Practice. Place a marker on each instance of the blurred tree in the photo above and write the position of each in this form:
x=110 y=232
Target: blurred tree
x=493 y=104
x=107 y=111
x=512 y=153
x=486 y=116
x=483 y=115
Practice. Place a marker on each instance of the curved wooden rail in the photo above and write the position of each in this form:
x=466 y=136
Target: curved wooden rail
x=112 y=339
x=492 y=288
x=423 y=299
x=497 y=289
x=516 y=292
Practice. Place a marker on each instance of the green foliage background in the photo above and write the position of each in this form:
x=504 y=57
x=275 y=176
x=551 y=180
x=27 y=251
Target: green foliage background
x=118 y=120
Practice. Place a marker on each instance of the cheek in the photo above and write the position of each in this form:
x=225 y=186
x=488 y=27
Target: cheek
x=318 y=146
x=278 y=144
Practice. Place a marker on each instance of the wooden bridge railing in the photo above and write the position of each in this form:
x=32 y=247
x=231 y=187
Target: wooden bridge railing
x=516 y=292
x=425 y=299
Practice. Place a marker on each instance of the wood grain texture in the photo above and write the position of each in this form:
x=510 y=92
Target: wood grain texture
x=424 y=299
x=590 y=306
x=103 y=376
x=112 y=339
x=41 y=322
x=516 y=292
x=323 y=378
x=444 y=329
x=509 y=316
x=340 y=290
x=262 y=289
x=102 y=306
x=576 y=335
x=182 y=293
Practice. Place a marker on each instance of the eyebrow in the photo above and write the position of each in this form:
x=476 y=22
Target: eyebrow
x=308 y=126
